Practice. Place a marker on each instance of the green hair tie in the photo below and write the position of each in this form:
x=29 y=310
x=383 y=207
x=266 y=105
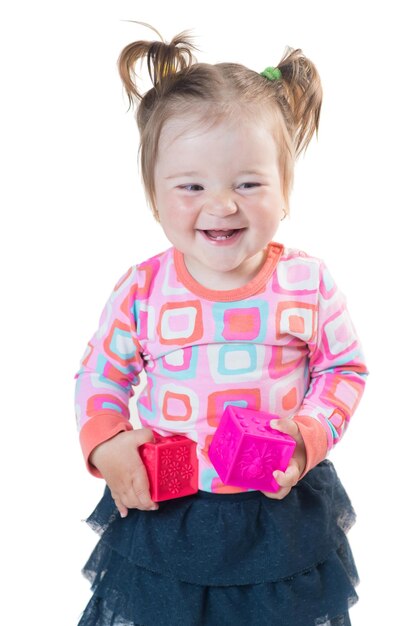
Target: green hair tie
x=272 y=73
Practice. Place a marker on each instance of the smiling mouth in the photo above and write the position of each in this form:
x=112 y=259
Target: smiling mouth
x=221 y=235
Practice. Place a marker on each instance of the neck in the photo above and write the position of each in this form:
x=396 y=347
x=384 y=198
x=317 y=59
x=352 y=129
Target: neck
x=224 y=281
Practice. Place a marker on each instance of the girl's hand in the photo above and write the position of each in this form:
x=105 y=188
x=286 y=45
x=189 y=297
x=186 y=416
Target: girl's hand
x=290 y=477
x=120 y=464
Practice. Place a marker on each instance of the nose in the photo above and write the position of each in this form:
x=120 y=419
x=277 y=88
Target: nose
x=221 y=204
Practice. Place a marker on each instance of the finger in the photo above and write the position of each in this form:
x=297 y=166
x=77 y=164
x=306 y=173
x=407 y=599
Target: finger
x=130 y=500
x=278 y=495
x=286 y=481
x=123 y=511
x=140 y=488
x=283 y=492
x=289 y=478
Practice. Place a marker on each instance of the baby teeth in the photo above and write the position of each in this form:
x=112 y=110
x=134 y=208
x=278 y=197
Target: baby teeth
x=212 y=235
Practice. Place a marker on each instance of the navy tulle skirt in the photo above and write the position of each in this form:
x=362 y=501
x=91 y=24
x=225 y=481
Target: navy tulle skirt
x=226 y=560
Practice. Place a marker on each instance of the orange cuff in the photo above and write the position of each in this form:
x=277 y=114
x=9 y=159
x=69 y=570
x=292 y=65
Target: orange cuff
x=315 y=440
x=98 y=429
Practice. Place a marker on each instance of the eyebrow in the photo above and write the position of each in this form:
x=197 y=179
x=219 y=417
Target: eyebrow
x=193 y=174
x=180 y=174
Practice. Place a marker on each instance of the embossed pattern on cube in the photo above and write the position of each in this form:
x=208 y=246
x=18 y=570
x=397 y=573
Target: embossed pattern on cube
x=225 y=442
x=245 y=450
x=171 y=465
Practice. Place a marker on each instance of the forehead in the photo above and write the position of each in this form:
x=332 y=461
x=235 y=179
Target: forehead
x=183 y=127
x=209 y=127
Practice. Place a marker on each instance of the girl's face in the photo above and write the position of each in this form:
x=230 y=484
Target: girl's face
x=219 y=197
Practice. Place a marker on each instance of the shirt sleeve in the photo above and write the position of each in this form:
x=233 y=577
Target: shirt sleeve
x=337 y=374
x=109 y=370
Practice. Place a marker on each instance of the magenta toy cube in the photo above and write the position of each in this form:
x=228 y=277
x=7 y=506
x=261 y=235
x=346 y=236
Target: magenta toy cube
x=171 y=465
x=245 y=450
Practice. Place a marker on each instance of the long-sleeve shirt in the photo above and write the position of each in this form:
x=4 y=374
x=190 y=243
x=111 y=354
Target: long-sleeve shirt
x=283 y=343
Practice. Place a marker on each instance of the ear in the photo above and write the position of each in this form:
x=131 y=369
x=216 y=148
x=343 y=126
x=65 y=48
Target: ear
x=152 y=205
x=284 y=210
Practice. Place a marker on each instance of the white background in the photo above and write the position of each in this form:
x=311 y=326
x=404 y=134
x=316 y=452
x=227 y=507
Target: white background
x=74 y=219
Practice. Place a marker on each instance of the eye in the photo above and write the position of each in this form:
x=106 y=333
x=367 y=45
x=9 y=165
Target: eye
x=248 y=185
x=192 y=187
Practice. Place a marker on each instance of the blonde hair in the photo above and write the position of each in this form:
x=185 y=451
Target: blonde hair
x=180 y=84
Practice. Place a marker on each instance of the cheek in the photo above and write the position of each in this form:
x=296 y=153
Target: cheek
x=187 y=207
x=177 y=213
x=269 y=213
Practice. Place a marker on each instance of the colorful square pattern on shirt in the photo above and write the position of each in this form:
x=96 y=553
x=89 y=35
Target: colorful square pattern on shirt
x=344 y=393
x=284 y=359
x=286 y=395
x=110 y=376
x=145 y=274
x=297 y=276
x=144 y=315
x=236 y=362
x=171 y=285
x=146 y=404
x=87 y=354
x=180 y=323
x=219 y=400
x=240 y=321
x=178 y=404
x=119 y=344
x=327 y=286
x=103 y=403
x=180 y=364
x=297 y=319
x=339 y=335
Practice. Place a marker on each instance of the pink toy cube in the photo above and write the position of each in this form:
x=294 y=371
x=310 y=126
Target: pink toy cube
x=245 y=450
x=171 y=465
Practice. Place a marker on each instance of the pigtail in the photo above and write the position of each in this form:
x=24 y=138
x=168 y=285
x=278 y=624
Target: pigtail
x=164 y=61
x=301 y=97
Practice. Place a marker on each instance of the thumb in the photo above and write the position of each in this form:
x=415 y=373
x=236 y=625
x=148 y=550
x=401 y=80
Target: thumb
x=143 y=435
x=286 y=426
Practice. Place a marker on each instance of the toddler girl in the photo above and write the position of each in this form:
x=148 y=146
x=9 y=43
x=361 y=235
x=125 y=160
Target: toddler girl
x=225 y=316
